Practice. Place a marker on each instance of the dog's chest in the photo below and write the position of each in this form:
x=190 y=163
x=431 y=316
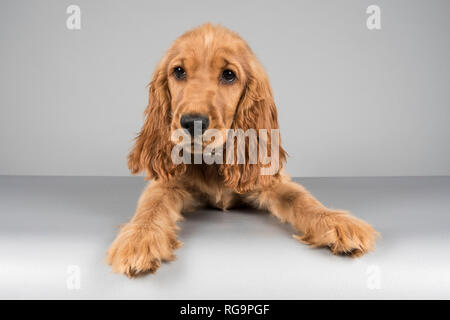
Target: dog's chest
x=222 y=198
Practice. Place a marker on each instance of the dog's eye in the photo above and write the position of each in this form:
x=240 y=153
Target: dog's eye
x=179 y=73
x=228 y=76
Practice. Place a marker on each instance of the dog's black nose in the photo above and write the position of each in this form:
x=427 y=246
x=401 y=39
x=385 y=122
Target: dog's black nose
x=194 y=123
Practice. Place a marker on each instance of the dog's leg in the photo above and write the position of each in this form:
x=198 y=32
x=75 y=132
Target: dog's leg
x=150 y=236
x=320 y=226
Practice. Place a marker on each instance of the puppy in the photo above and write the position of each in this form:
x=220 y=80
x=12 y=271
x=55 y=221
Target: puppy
x=210 y=79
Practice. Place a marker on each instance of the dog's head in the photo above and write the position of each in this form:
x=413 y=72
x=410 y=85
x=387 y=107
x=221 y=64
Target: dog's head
x=210 y=77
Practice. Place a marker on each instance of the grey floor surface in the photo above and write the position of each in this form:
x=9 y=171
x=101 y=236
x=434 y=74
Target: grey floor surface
x=54 y=232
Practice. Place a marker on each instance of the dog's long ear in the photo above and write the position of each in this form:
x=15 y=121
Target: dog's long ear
x=152 y=148
x=256 y=110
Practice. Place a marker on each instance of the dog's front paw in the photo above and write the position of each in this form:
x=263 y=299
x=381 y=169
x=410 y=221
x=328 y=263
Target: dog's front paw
x=140 y=249
x=342 y=233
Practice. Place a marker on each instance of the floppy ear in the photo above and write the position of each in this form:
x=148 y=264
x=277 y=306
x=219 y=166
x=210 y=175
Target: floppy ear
x=256 y=110
x=152 y=147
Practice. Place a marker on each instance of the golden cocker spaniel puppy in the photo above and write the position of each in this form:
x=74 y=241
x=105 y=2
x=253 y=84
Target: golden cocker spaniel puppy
x=209 y=76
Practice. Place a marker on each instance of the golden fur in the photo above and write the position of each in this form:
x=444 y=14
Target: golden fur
x=150 y=237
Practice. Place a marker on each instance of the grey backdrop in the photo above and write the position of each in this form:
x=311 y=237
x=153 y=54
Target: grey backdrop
x=352 y=102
